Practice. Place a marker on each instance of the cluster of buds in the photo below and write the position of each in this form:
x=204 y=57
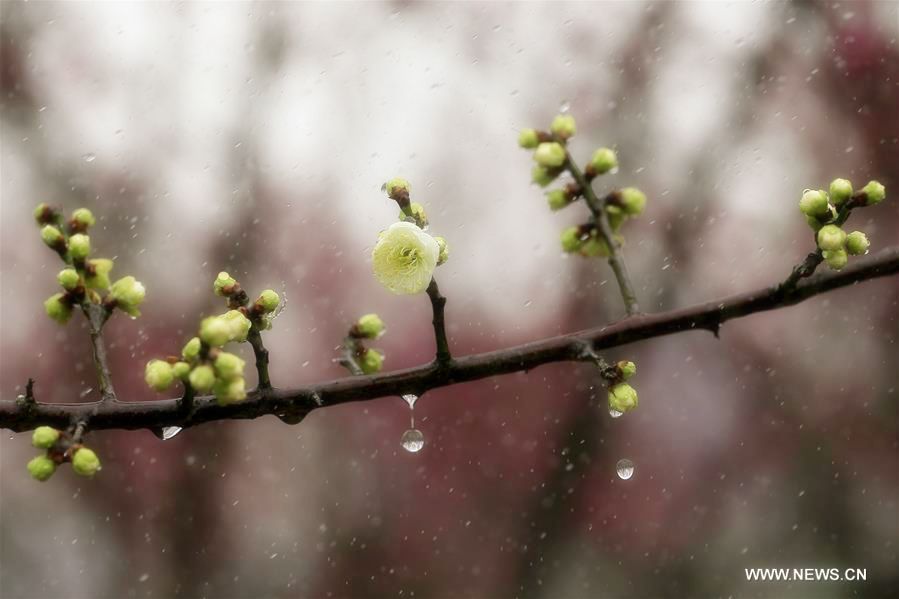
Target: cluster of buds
x=204 y=366
x=405 y=255
x=552 y=159
x=59 y=448
x=84 y=278
x=826 y=211
x=360 y=359
x=622 y=396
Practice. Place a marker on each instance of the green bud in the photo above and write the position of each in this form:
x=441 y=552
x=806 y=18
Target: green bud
x=370 y=326
x=57 y=308
x=874 y=192
x=840 y=191
x=571 y=240
x=44 y=437
x=814 y=203
x=814 y=223
x=371 y=361
x=627 y=369
x=604 y=160
x=595 y=247
x=857 y=243
x=202 y=378
x=227 y=392
x=396 y=186
x=550 y=154
x=268 y=300
x=622 y=398
x=191 y=349
x=443 y=250
x=541 y=176
x=79 y=246
x=418 y=213
x=82 y=218
x=52 y=236
x=214 y=331
x=223 y=284
x=181 y=370
x=228 y=366
x=41 y=467
x=128 y=293
x=85 y=462
x=836 y=259
x=238 y=325
x=97 y=273
x=528 y=138
x=563 y=126
x=44 y=213
x=831 y=237
x=557 y=199
x=159 y=375
x=616 y=216
x=632 y=201
x=68 y=278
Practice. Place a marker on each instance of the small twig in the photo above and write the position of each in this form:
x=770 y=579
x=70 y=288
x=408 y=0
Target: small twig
x=616 y=262
x=97 y=315
x=255 y=339
x=438 y=302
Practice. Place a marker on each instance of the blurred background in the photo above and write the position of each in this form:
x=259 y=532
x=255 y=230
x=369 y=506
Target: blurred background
x=254 y=138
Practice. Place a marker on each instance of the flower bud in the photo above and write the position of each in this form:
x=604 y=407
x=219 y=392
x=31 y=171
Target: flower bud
x=181 y=370
x=541 y=176
x=595 y=247
x=563 y=126
x=836 y=259
x=857 y=243
x=550 y=154
x=85 y=462
x=79 y=246
x=230 y=391
x=238 y=325
x=45 y=214
x=557 y=199
x=223 y=284
x=397 y=186
x=268 y=301
x=616 y=216
x=443 y=250
x=82 y=218
x=418 y=215
x=97 y=273
x=68 y=278
x=814 y=223
x=632 y=201
x=191 y=349
x=58 y=308
x=159 y=375
x=831 y=237
x=840 y=191
x=202 y=378
x=228 y=366
x=604 y=160
x=44 y=437
x=128 y=293
x=371 y=361
x=52 y=236
x=626 y=369
x=370 y=326
x=41 y=467
x=622 y=398
x=571 y=240
x=813 y=203
x=214 y=331
x=874 y=192
x=528 y=138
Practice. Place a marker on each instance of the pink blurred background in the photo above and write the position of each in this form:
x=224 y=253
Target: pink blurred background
x=254 y=138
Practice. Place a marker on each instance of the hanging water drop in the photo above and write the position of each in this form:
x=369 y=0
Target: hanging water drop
x=625 y=469
x=170 y=431
x=410 y=398
x=413 y=440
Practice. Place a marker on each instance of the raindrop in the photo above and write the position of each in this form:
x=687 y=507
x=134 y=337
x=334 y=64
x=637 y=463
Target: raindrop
x=410 y=399
x=615 y=413
x=413 y=440
x=170 y=431
x=565 y=106
x=625 y=469
x=90 y=157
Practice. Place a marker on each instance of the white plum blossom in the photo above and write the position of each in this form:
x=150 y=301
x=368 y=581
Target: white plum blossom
x=404 y=258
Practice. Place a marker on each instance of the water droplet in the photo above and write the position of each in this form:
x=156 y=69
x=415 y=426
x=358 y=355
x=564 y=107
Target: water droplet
x=615 y=413
x=625 y=469
x=410 y=398
x=413 y=440
x=565 y=106
x=90 y=157
x=170 y=431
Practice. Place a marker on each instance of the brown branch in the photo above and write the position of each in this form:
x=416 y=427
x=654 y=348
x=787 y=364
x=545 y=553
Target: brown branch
x=293 y=404
x=438 y=302
x=261 y=354
x=97 y=315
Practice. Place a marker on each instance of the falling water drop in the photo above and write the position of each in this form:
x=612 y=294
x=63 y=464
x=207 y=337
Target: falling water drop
x=565 y=106
x=89 y=157
x=625 y=469
x=410 y=398
x=413 y=440
x=615 y=413
x=170 y=431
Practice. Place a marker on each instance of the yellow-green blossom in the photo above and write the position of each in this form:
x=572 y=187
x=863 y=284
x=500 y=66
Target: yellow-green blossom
x=404 y=258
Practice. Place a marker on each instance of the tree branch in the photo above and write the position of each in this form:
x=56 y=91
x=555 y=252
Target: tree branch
x=438 y=302
x=22 y=415
x=97 y=315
